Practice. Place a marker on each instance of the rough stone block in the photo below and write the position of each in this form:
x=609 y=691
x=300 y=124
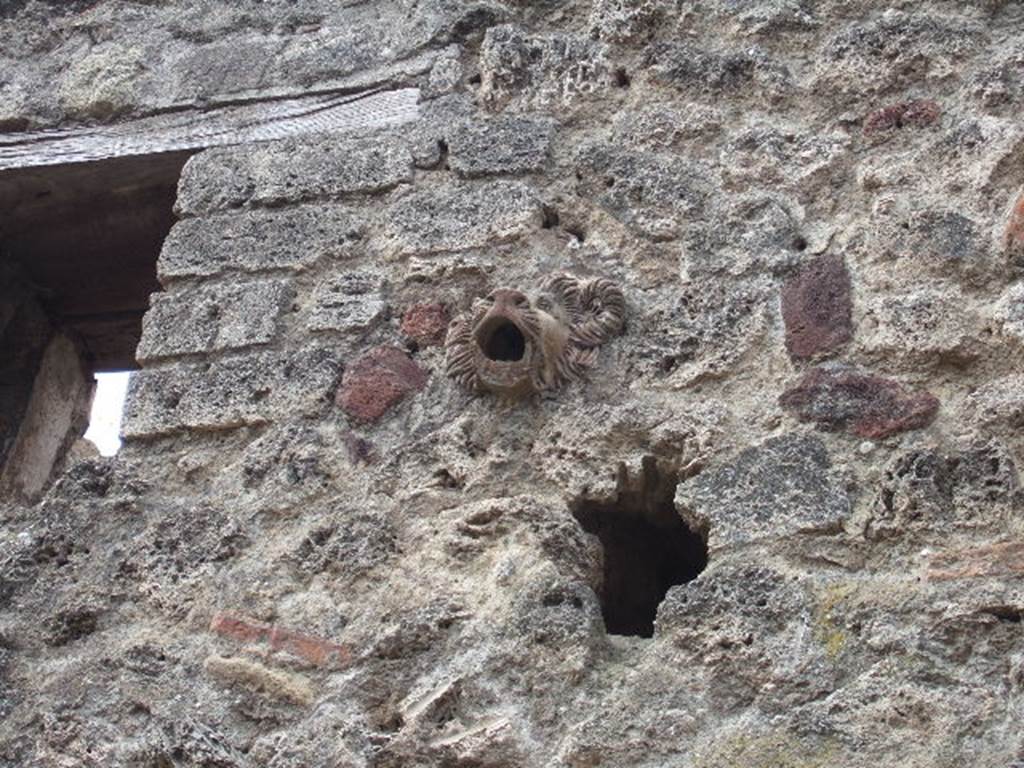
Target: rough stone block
x=1004 y=560
x=1000 y=402
x=426 y=324
x=817 y=308
x=651 y=193
x=863 y=404
x=771 y=491
x=460 y=217
x=505 y=144
x=256 y=240
x=351 y=301
x=291 y=172
x=692 y=70
x=378 y=380
x=923 y=328
x=213 y=318
x=228 y=394
x=545 y=71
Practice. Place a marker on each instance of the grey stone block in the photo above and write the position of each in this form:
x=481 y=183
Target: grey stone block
x=291 y=171
x=351 y=301
x=213 y=318
x=771 y=491
x=255 y=240
x=250 y=390
x=459 y=217
x=506 y=144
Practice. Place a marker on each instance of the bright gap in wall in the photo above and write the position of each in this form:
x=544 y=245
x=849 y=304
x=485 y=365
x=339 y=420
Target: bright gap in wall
x=107 y=411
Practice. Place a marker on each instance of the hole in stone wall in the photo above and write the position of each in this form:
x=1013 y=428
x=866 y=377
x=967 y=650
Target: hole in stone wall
x=107 y=409
x=647 y=546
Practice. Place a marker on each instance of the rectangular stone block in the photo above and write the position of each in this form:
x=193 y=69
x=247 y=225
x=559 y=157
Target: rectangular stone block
x=255 y=240
x=213 y=318
x=250 y=390
x=292 y=171
x=459 y=217
x=351 y=301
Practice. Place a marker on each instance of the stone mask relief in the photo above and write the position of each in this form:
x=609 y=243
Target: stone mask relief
x=513 y=346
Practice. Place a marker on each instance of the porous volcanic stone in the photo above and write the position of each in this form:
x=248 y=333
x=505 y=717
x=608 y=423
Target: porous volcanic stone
x=773 y=490
x=378 y=380
x=817 y=308
x=914 y=114
x=861 y=403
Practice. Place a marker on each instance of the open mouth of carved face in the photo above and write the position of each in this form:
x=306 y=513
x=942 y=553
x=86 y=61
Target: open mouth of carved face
x=501 y=340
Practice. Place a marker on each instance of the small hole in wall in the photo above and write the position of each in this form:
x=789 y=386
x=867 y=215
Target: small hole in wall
x=620 y=78
x=647 y=547
x=799 y=244
x=107 y=410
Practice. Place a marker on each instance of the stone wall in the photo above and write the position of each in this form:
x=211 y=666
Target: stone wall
x=317 y=549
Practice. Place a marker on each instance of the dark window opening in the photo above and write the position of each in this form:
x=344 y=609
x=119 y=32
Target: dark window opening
x=648 y=548
x=505 y=343
x=78 y=251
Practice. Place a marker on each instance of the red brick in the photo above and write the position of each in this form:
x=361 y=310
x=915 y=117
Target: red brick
x=990 y=561
x=315 y=650
x=863 y=404
x=238 y=628
x=916 y=114
x=378 y=380
x=817 y=308
x=426 y=324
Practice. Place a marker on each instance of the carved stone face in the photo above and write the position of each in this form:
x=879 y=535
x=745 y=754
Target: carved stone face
x=513 y=346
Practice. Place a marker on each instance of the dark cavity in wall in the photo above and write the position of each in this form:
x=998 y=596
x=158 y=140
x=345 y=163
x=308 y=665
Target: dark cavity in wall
x=648 y=548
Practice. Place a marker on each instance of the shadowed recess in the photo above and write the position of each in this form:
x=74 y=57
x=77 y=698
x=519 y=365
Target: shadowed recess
x=647 y=547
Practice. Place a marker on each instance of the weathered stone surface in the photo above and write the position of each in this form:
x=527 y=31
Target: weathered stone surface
x=624 y=21
x=213 y=318
x=860 y=403
x=506 y=144
x=911 y=114
x=693 y=70
x=350 y=301
x=291 y=171
x=426 y=324
x=544 y=71
x=771 y=491
x=257 y=240
x=653 y=194
x=817 y=308
x=230 y=393
x=459 y=217
x=1013 y=236
x=377 y=381
x=1000 y=402
x=925 y=492
x=927 y=327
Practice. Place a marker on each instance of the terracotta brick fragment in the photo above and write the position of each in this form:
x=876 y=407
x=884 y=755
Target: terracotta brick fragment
x=1001 y=560
x=863 y=404
x=378 y=380
x=915 y=114
x=817 y=308
x=315 y=650
x=238 y=628
x=426 y=324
